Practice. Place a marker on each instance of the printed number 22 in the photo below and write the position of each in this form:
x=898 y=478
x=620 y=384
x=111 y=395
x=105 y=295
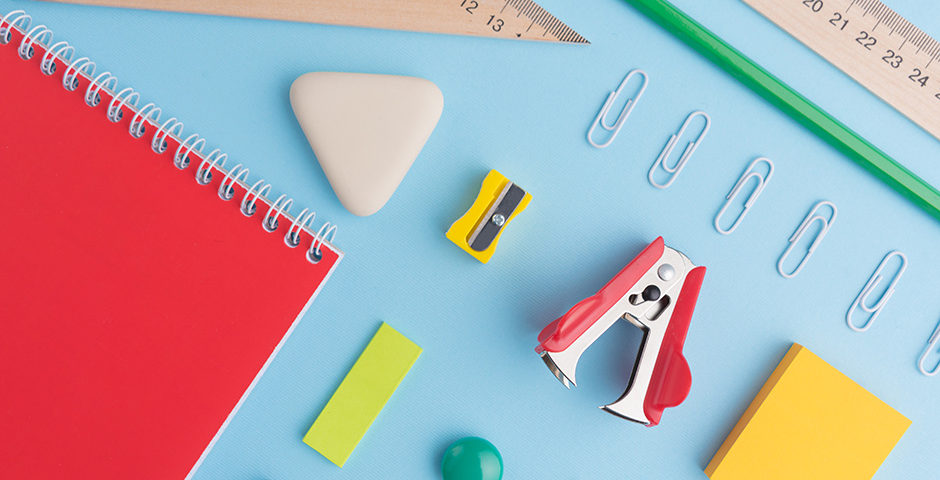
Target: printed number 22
x=865 y=40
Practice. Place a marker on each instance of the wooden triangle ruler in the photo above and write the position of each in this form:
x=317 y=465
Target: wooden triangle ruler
x=510 y=19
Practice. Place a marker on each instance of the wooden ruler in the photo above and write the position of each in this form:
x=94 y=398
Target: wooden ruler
x=871 y=43
x=511 y=19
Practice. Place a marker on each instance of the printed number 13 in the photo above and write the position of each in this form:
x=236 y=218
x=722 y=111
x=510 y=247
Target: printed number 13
x=495 y=23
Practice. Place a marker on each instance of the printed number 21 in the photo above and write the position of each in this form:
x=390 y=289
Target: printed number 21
x=837 y=21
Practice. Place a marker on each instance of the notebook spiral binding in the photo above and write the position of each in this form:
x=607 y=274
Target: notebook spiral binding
x=149 y=115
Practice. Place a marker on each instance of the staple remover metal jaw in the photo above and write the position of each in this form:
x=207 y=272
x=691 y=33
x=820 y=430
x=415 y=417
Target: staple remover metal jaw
x=657 y=293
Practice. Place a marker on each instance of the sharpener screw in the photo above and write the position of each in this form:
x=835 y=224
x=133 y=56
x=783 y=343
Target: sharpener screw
x=499 y=220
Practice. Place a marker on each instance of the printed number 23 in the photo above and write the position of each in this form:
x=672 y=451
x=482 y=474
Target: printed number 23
x=892 y=59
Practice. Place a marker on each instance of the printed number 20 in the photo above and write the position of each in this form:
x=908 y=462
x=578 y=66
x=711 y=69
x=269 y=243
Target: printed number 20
x=814 y=5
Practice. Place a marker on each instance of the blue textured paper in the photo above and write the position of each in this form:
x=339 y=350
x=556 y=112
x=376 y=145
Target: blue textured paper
x=523 y=108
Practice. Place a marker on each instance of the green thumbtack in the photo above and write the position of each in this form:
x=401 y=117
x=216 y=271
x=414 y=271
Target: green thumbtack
x=472 y=458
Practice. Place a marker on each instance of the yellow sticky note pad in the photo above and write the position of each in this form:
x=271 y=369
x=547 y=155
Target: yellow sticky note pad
x=809 y=421
x=362 y=394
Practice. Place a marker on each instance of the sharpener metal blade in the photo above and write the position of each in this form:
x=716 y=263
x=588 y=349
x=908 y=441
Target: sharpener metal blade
x=496 y=217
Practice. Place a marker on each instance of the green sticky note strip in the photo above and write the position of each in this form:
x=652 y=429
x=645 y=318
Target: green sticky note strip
x=362 y=395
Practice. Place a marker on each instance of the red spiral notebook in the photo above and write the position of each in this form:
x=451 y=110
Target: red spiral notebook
x=145 y=284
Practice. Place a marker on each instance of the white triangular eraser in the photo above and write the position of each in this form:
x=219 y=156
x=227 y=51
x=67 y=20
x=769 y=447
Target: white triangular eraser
x=366 y=130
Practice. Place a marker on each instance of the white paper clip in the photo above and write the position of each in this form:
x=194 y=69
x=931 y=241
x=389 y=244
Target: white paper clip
x=801 y=230
x=876 y=277
x=601 y=117
x=930 y=348
x=675 y=170
x=762 y=181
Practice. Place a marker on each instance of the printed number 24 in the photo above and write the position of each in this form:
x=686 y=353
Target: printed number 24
x=919 y=77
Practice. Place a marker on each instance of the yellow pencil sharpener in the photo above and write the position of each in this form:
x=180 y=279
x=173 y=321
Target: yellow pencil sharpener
x=477 y=232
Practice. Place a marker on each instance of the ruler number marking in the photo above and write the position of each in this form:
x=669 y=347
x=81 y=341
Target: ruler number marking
x=838 y=22
x=814 y=5
x=892 y=59
x=495 y=23
x=517 y=19
x=866 y=40
x=469 y=5
x=919 y=77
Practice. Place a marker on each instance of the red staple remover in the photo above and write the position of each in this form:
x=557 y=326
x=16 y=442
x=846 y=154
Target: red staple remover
x=656 y=292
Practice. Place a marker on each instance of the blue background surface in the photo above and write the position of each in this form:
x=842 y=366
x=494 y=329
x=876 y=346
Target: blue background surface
x=523 y=108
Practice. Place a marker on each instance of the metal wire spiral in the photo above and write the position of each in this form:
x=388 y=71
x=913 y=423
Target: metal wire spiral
x=62 y=54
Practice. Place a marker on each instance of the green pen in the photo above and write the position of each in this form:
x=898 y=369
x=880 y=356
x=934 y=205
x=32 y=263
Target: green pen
x=792 y=103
